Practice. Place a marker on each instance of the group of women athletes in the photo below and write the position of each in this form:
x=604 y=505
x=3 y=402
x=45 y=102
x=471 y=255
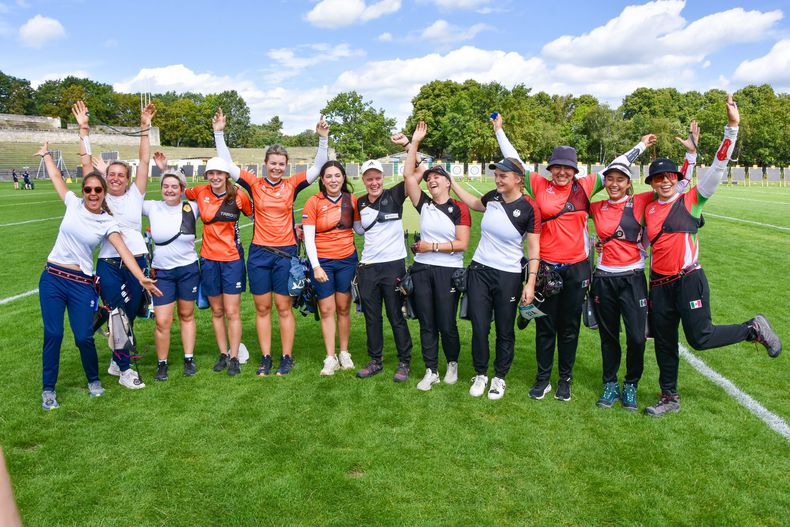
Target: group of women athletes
x=553 y=279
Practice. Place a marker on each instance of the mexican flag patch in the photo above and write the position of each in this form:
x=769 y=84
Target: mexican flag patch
x=695 y=304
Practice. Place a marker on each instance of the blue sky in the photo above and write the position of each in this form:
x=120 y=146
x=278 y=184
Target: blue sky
x=288 y=58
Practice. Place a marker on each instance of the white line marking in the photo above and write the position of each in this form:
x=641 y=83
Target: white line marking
x=755 y=200
x=31 y=221
x=17 y=297
x=30 y=203
x=473 y=188
x=774 y=422
x=739 y=220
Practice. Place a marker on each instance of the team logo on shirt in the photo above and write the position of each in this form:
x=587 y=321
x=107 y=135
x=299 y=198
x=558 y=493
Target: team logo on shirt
x=652 y=210
x=450 y=208
x=187 y=208
x=516 y=213
x=695 y=304
x=206 y=199
x=585 y=283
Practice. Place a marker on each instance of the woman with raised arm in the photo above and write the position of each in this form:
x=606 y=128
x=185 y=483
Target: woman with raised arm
x=678 y=287
x=445 y=225
x=119 y=287
x=328 y=222
x=495 y=284
x=175 y=266
x=68 y=282
x=564 y=203
x=273 y=242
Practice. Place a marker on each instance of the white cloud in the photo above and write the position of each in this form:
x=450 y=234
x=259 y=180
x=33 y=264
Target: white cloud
x=39 y=30
x=82 y=74
x=772 y=68
x=340 y=13
x=289 y=62
x=385 y=37
x=448 y=5
x=443 y=32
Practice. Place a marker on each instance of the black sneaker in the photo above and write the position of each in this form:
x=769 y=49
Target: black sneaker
x=765 y=335
x=265 y=367
x=540 y=389
x=286 y=365
x=222 y=362
x=372 y=368
x=563 y=390
x=189 y=367
x=233 y=367
x=161 y=372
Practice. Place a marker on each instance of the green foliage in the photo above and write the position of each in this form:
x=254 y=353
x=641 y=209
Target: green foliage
x=16 y=95
x=266 y=134
x=358 y=131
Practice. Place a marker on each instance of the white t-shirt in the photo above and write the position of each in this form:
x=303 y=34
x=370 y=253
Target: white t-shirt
x=165 y=223
x=437 y=225
x=127 y=211
x=80 y=233
x=384 y=240
x=503 y=229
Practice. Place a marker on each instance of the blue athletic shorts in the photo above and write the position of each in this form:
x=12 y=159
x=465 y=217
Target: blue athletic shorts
x=340 y=273
x=180 y=283
x=268 y=271
x=217 y=278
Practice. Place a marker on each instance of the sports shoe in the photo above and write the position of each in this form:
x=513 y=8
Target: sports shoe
x=222 y=362
x=401 y=372
x=286 y=365
x=114 y=370
x=233 y=367
x=345 y=361
x=428 y=381
x=610 y=395
x=130 y=379
x=540 y=389
x=629 y=397
x=667 y=404
x=478 y=385
x=161 y=372
x=265 y=367
x=765 y=335
x=451 y=376
x=189 y=367
x=563 y=392
x=49 y=400
x=331 y=365
x=95 y=389
x=497 y=389
x=372 y=368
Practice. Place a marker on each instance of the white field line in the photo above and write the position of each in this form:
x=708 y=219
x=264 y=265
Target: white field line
x=473 y=188
x=739 y=220
x=31 y=221
x=774 y=422
x=755 y=200
x=17 y=297
x=30 y=203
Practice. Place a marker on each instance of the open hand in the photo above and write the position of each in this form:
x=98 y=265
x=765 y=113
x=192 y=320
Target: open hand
x=149 y=285
x=733 y=115
x=43 y=150
x=692 y=141
x=80 y=112
x=420 y=131
x=649 y=140
x=218 y=121
x=147 y=115
x=161 y=160
x=100 y=164
x=322 y=128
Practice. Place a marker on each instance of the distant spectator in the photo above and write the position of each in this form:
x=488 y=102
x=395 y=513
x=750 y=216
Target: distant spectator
x=15 y=177
x=26 y=177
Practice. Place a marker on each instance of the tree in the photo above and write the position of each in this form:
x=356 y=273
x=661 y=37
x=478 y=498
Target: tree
x=236 y=111
x=16 y=95
x=306 y=138
x=358 y=131
x=269 y=133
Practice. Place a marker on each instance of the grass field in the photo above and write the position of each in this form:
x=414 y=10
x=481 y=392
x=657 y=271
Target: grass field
x=306 y=450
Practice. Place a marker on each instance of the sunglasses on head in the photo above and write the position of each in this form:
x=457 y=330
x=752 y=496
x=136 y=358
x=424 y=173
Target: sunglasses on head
x=92 y=190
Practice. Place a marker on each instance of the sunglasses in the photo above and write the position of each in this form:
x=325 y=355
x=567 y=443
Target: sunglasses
x=92 y=190
x=658 y=178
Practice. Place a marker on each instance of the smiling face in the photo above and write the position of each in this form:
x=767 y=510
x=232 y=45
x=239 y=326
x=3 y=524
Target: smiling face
x=275 y=166
x=171 y=190
x=438 y=185
x=218 y=180
x=333 y=180
x=664 y=184
x=507 y=182
x=616 y=184
x=374 y=182
x=93 y=192
x=561 y=175
x=117 y=179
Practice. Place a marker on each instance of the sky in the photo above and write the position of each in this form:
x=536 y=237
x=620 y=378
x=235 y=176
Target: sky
x=288 y=58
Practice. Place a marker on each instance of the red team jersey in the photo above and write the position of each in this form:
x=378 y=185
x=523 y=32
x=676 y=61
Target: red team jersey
x=674 y=250
x=220 y=238
x=330 y=242
x=606 y=216
x=274 y=207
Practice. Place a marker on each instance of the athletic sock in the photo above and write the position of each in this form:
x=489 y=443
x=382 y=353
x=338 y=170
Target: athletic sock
x=162 y=362
x=188 y=356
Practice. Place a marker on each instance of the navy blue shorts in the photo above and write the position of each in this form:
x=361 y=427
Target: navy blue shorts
x=340 y=273
x=217 y=278
x=268 y=271
x=118 y=286
x=180 y=283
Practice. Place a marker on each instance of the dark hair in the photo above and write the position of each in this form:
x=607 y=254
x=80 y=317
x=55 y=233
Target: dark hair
x=98 y=175
x=346 y=187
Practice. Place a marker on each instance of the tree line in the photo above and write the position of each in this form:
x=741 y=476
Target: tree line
x=457 y=114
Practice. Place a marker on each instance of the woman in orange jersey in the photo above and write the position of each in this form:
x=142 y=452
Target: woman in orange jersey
x=274 y=242
x=328 y=222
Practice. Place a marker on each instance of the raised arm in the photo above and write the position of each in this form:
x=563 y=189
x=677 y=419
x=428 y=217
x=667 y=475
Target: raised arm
x=708 y=183
x=146 y=117
x=690 y=143
x=218 y=124
x=80 y=113
x=625 y=159
x=322 y=155
x=508 y=150
x=471 y=201
x=126 y=255
x=411 y=176
x=52 y=170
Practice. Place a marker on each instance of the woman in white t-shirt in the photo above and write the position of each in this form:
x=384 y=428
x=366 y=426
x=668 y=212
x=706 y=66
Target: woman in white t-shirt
x=119 y=288
x=175 y=268
x=68 y=282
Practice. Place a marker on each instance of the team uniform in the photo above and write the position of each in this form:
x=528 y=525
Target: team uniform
x=435 y=295
x=222 y=268
x=331 y=242
x=382 y=266
x=175 y=262
x=494 y=281
x=61 y=288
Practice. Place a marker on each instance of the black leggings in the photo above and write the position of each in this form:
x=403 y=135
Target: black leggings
x=436 y=303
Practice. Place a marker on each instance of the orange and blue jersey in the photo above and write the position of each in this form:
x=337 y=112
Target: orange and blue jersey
x=325 y=214
x=221 y=241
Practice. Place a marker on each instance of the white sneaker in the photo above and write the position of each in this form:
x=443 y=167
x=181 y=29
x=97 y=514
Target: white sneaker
x=451 y=377
x=244 y=354
x=345 y=361
x=130 y=379
x=330 y=366
x=478 y=385
x=114 y=370
x=497 y=389
x=429 y=380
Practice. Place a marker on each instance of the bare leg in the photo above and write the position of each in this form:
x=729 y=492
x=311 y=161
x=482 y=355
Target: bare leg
x=164 y=319
x=263 y=321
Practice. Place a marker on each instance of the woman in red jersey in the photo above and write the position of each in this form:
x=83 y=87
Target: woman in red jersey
x=274 y=242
